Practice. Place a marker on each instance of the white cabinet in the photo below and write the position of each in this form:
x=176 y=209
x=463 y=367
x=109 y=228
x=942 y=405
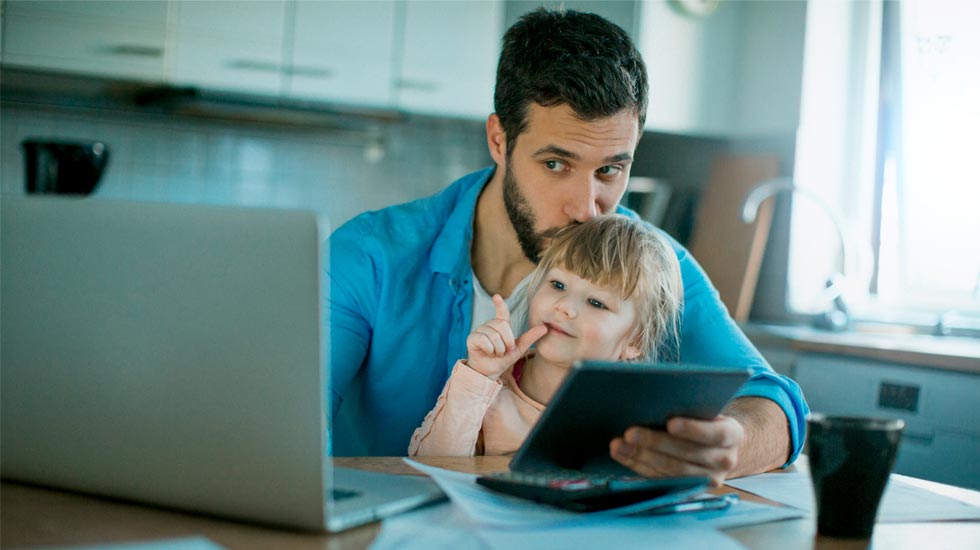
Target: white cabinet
x=113 y=39
x=448 y=59
x=433 y=57
x=942 y=427
x=734 y=72
x=342 y=52
x=232 y=46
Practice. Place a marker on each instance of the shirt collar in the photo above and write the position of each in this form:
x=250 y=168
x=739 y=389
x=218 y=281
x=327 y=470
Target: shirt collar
x=451 y=249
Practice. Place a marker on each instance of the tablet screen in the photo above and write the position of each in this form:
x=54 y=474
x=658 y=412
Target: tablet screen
x=597 y=402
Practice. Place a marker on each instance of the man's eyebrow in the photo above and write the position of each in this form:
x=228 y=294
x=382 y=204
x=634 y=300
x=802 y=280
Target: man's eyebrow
x=620 y=157
x=557 y=151
x=565 y=153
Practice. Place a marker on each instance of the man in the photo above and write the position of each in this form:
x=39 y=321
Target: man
x=409 y=282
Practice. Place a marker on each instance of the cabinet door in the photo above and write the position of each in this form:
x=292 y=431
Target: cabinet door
x=937 y=407
x=342 y=52
x=122 y=39
x=448 y=58
x=233 y=46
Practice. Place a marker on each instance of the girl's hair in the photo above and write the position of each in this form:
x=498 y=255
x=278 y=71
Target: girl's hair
x=624 y=254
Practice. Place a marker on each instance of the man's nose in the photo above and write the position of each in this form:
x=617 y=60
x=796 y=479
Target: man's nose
x=582 y=205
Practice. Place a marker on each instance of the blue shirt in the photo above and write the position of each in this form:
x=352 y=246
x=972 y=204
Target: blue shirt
x=400 y=302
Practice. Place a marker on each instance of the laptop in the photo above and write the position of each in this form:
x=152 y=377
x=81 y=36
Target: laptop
x=170 y=354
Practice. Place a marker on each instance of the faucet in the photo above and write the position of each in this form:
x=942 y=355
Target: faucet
x=835 y=317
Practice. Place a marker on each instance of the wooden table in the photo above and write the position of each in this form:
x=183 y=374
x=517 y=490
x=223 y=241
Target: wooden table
x=37 y=517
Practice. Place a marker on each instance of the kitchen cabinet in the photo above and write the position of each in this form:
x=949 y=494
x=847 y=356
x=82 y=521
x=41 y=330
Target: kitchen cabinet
x=229 y=46
x=447 y=61
x=736 y=71
x=104 y=38
x=342 y=52
x=432 y=57
x=942 y=428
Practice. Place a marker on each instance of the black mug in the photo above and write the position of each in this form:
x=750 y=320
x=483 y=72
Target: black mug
x=851 y=459
x=62 y=167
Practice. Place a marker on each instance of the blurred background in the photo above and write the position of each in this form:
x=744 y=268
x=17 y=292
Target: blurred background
x=816 y=157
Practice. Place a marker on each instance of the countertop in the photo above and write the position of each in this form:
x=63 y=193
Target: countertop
x=943 y=352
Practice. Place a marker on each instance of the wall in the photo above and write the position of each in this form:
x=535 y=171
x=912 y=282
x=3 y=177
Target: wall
x=159 y=158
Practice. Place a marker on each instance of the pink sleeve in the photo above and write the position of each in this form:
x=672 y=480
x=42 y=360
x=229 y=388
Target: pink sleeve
x=453 y=426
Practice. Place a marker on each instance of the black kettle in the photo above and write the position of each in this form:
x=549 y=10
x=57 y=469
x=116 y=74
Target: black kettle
x=63 y=167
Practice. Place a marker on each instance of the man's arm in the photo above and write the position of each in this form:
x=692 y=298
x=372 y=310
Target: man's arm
x=750 y=437
x=761 y=429
x=350 y=298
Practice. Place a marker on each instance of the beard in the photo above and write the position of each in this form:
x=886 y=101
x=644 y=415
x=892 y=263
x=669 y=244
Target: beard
x=522 y=218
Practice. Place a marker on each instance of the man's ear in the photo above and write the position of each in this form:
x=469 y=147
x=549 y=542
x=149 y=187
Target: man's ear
x=496 y=140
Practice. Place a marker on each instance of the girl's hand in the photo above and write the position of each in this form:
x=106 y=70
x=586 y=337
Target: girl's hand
x=492 y=348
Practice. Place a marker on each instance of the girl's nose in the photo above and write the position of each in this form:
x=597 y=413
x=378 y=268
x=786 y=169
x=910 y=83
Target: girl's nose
x=565 y=307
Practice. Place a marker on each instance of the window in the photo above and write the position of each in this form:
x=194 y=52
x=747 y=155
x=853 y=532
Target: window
x=890 y=122
x=928 y=250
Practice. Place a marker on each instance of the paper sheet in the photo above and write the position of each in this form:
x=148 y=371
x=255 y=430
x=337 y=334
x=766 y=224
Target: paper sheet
x=446 y=526
x=487 y=507
x=902 y=502
x=477 y=517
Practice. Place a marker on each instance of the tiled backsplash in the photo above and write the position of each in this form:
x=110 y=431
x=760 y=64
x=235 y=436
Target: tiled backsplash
x=339 y=173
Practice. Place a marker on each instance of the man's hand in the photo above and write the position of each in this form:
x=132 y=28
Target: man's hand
x=752 y=436
x=491 y=346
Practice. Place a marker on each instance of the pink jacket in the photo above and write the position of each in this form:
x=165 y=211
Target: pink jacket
x=476 y=416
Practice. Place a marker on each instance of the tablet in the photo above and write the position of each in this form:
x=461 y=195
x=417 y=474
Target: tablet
x=598 y=400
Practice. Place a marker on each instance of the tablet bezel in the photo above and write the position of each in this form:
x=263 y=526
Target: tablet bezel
x=597 y=401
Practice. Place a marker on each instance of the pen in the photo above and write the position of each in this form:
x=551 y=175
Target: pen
x=698 y=504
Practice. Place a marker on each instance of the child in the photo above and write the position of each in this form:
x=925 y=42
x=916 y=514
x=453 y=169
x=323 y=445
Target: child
x=607 y=289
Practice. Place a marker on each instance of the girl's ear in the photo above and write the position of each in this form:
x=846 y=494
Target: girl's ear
x=632 y=351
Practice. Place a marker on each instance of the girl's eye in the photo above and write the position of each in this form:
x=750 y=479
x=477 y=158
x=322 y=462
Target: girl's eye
x=596 y=304
x=557 y=285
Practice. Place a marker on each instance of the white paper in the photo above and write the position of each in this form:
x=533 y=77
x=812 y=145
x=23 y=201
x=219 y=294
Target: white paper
x=902 y=501
x=439 y=526
x=446 y=526
x=486 y=507
x=617 y=533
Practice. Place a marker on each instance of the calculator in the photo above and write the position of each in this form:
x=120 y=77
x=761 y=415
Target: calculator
x=586 y=492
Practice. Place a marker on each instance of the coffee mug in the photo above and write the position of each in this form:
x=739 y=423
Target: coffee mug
x=851 y=458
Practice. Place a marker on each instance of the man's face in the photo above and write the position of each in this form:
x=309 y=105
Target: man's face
x=564 y=170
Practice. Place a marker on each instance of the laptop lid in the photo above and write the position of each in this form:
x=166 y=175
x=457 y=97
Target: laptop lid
x=164 y=353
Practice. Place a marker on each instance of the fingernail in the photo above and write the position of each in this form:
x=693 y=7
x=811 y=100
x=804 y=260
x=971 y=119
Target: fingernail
x=626 y=450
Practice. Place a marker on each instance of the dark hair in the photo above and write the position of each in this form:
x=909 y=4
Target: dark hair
x=555 y=57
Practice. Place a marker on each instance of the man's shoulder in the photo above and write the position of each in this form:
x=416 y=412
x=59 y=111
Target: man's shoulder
x=679 y=249
x=408 y=225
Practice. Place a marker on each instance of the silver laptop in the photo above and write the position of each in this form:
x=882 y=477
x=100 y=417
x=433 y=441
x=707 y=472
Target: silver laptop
x=170 y=354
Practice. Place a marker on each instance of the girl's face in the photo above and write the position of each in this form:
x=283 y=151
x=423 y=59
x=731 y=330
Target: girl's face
x=584 y=320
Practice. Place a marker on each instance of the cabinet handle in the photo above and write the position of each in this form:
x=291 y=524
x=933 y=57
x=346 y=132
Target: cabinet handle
x=416 y=85
x=312 y=72
x=136 y=50
x=255 y=65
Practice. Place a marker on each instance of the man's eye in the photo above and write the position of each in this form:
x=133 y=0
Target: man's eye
x=596 y=304
x=610 y=170
x=557 y=285
x=554 y=165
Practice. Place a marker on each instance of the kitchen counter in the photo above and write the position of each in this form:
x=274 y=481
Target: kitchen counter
x=942 y=352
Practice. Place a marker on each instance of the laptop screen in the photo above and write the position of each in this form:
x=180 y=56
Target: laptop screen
x=166 y=353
